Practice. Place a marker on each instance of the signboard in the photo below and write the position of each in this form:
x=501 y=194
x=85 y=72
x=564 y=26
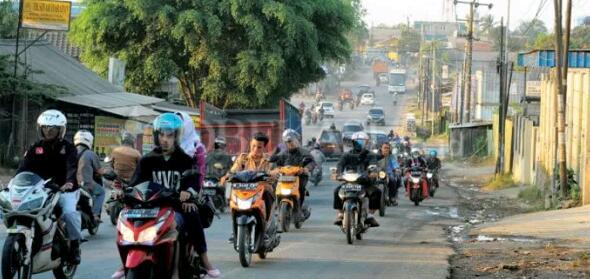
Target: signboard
x=46 y=15
x=533 y=88
x=116 y=72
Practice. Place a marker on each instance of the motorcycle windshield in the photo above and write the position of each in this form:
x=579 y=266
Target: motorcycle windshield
x=147 y=191
x=248 y=176
x=25 y=179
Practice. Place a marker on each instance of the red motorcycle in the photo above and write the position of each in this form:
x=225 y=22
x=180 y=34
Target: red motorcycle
x=149 y=243
x=416 y=185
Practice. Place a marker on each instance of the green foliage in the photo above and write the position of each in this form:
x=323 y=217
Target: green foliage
x=409 y=40
x=8 y=20
x=580 y=37
x=231 y=53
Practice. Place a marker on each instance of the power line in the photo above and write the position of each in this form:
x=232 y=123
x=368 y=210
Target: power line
x=541 y=7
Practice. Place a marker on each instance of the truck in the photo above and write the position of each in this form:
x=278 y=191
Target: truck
x=238 y=126
x=397 y=81
x=379 y=67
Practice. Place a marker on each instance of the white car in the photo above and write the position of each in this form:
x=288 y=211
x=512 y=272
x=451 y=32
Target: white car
x=328 y=109
x=368 y=99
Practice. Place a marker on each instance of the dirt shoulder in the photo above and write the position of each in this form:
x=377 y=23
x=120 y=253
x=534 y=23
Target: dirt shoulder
x=486 y=248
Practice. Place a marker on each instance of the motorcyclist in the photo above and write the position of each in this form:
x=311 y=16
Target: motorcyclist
x=124 y=158
x=388 y=162
x=318 y=156
x=359 y=159
x=416 y=159
x=218 y=156
x=301 y=107
x=165 y=165
x=433 y=164
x=321 y=113
x=294 y=156
x=56 y=158
x=89 y=173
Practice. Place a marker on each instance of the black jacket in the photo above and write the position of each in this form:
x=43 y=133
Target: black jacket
x=357 y=160
x=57 y=160
x=296 y=157
x=154 y=167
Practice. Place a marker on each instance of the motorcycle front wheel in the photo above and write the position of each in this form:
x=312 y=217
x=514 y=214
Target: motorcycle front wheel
x=415 y=196
x=349 y=226
x=244 y=244
x=13 y=255
x=142 y=271
x=285 y=217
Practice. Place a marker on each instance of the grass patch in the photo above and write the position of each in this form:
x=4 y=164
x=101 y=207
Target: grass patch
x=499 y=182
x=532 y=195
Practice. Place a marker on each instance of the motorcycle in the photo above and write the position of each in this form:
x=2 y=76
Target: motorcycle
x=316 y=176
x=395 y=99
x=415 y=185
x=314 y=118
x=213 y=190
x=149 y=243
x=287 y=192
x=381 y=180
x=36 y=237
x=87 y=216
x=432 y=182
x=254 y=233
x=355 y=205
x=340 y=106
x=113 y=206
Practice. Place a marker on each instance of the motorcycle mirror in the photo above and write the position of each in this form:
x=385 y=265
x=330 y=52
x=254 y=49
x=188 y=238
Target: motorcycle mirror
x=233 y=158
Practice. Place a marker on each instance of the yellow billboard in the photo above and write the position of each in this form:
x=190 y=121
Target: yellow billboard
x=46 y=14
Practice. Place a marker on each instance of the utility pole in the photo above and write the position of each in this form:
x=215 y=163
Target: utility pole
x=501 y=121
x=433 y=92
x=472 y=6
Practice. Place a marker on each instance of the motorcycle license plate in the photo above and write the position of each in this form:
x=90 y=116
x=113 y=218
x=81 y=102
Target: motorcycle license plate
x=416 y=173
x=352 y=187
x=142 y=213
x=209 y=192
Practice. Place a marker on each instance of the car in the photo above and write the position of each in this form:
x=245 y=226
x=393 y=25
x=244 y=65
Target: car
x=377 y=138
x=350 y=128
x=328 y=109
x=368 y=99
x=331 y=143
x=376 y=115
x=345 y=95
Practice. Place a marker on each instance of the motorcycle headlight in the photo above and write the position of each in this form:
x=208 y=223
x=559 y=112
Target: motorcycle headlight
x=382 y=175
x=429 y=175
x=32 y=204
x=245 y=204
x=148 y=235
x=415 y=180
x=286 y=192
x=126 y=233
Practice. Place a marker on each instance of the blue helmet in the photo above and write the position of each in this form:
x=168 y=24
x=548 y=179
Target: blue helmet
x=167 y=123
x=433 y=153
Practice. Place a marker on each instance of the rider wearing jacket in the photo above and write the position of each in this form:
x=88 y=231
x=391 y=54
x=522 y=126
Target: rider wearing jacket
x=124 y=158
x=56 y=158
x=165 y=165
x=388 y=162
x=218 y=156
x=294 y=155
x=359 y=159
x=89 y=171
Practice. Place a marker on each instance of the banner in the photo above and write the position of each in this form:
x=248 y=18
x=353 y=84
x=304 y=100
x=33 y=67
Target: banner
x=46 y=15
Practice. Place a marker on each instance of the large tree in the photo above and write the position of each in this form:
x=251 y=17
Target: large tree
x=531 y=29
x=486 y=25
x=8 y=20
x=230 y=53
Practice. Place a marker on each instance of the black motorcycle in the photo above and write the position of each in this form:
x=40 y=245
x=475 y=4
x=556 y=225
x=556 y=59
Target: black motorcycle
x=380 y=179
x=215 y=192
x=355 y=204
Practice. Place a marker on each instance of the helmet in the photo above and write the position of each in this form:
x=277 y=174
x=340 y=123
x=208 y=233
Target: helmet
x=53 y=118
x=395 y=151
x=433 y=153
x=84 y=137
x=219 y=142
x=167 y=123
x=127 y=138
x=415 y=152
x=290 y=135
x=359 y=140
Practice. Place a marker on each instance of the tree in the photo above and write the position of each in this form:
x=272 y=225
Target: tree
x=409 y=40
x=8 y=20
x=531 y=29
x=486 y=25
x=580 y=37
x=227 y=52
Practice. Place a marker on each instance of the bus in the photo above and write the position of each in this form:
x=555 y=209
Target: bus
x=397 y=81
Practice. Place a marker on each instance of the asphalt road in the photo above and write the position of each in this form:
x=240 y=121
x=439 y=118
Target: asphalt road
x=410 y=243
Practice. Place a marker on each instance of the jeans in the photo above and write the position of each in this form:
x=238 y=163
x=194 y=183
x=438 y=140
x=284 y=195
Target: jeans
x=191 y=223
x=68 y=202
x=98 y=196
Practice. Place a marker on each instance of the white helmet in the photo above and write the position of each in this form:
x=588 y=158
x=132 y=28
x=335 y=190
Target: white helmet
x=52 y=118
x=84 y=137
x=415 y=152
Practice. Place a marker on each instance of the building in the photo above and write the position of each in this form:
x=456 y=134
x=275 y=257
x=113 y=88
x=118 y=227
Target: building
x=439 y=30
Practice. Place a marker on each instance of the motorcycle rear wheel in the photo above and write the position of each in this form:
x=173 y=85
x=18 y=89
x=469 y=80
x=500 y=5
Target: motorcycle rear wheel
x=12 y=256
x=285 y=217
x=244 y=244
x=143 y=271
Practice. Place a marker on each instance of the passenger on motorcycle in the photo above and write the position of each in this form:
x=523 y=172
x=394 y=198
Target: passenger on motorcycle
x=56 y=158
x=359 y=159
x=192 y=146
x=218 y=156
x=90 y=171
x=124 y=158
x=165 y=165
x=388 y=162
x=294 y=155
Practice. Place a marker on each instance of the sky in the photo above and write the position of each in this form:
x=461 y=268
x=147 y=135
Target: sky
x=392 y=12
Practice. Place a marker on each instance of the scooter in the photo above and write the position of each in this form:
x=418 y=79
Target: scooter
x=36 y=236
x=316 y=175
x=355 y=205
x=255 y=231
x=149 y=243
x=416 y=185
x=432 y=182
x=289 y=197
x=381 y=180
x=216 y=193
